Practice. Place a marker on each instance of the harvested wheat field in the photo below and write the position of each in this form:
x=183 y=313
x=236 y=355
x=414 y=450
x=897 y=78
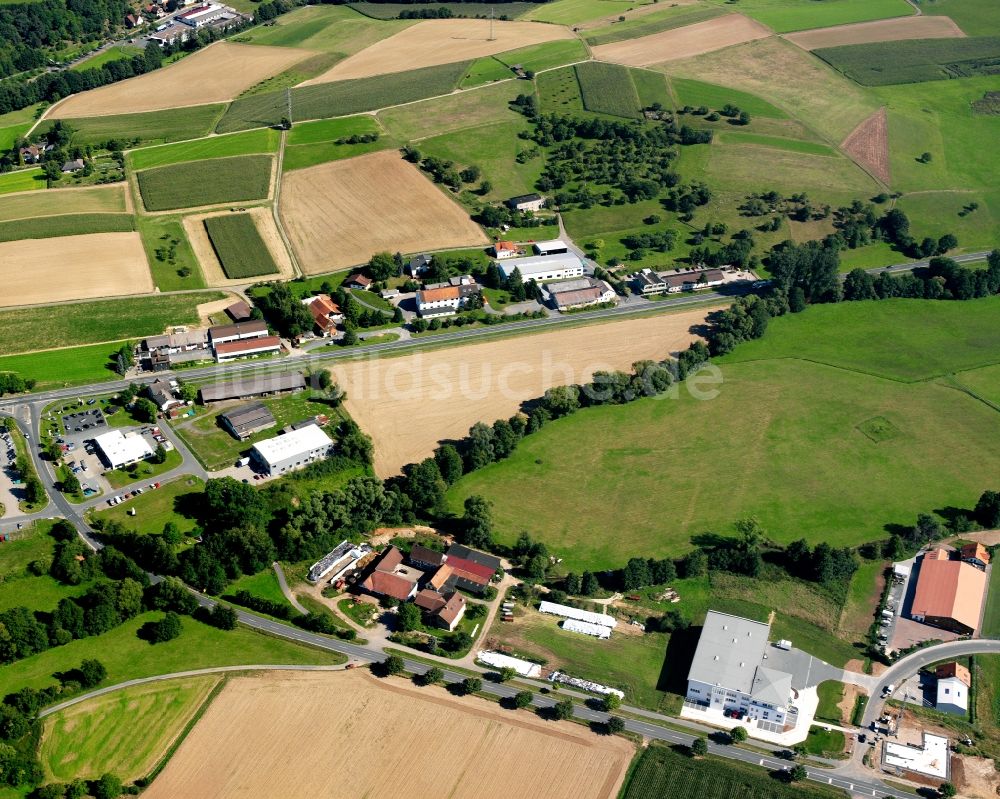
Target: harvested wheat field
x=38 y=271
x=868 y=145
x=442 y=41
x=691 y=40
x=216 y=74
x=339 y=214
x=194 y=226
x=883 y=30
x=408 y=404
x=49 y=202
x=349 y=735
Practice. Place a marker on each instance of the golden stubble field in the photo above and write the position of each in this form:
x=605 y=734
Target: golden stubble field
x=690 y=40
x=441 y=41
x=35 y=271
x=341 y=213
x=883 y=30
x=408 y=404
x=349 y=735
x=216 y=74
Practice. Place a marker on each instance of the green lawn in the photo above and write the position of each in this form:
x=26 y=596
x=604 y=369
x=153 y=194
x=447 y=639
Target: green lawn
x=306 y=155
x=559 y=91
x=11 y=133
x=776 y=142
x=27 y=329
x=824 y=743
x=974 y=17
x=22 y=180
x=106 y=57
x=171 y=259
x=831 y=692
x=218 y=180
x=190 y=122
x=100 y=735
x=648 y=24
x=569 y=12
x=18 y=585
x=455 y=112
x=697 y=93
x=263 y=585
x=127 y=657
x=72 y=366
x=662 y=772
x=339 y=30
x=216 y=448
x=264 y=140
x=991 y=619
x=143 y=472
x=785 y=16
x=546 y=55
x=311 y=143
x=794 y=401
x=239 y=246
x=154 y=509
x=328 y=130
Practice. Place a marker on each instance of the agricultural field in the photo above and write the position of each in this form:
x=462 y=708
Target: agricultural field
x=868 y=145
x=171 y=258
x=559 y=91
x=607 y=89
x=571 y=12
x=795 y=400
x=175 y=124
x=61 y=368
x=377 y=10
x=239 y=246
x=215 y=74
x=381 y=723
x=155 y=509
x=337 y=30
x=100 y=735
x=29 y=329
x=312 y=143
x=273 y=254
x=646 y=24
x=664 y=773
x=339 y=214
x=407 y=406
x=15 y=123
x=218 y=180
x=128 y=657
x=680 y=43
x=922 y=27
x=886 y=63
x=696 y=93
x=90 y=200
x=36 y=271
x=784 y=16
x=22 y=180
x=249 y=143
x=438 y=115
x=433 y=42
x=545 y=56
x=343 y=98
x=975 y=17
x=66 y=225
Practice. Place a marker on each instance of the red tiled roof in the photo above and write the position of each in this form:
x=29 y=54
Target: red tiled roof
x=505 y=246
x=452 y=609
x=470 y=570
x=429 y=600
x=391 y=558
x=388 y=584
x=247 y=345
x=949 y=589
x=435 y=295
x=975 y=550
x=946 y=670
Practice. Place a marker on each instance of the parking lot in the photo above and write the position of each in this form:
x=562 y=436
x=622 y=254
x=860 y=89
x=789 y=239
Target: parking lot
x=8 y=494
x=90 y=421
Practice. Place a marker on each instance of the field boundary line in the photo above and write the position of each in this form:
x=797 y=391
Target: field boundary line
x=929 y=379
x=279 y=163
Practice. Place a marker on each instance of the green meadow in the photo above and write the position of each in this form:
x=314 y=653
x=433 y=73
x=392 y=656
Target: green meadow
x=263 y=140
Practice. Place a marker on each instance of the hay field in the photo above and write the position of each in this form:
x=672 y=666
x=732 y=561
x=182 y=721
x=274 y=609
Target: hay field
x=339 y=214
x=441 y=41
x=194 y=227
x=348 y=735
x=691 y=40
x=73 y=268
x=883 y=30
x=868 y=145
x=48 y=202
x=216 y=74
x=408 y=404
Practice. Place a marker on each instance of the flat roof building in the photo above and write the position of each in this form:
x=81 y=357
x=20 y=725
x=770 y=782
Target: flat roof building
x=542 y=267
x=949 y=593
x=292 y=450
x=118 y=450
x=254 y=386
x=551 y=247
x=246 y=420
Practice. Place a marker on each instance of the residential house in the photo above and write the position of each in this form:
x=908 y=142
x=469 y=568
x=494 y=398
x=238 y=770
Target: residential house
x=976 y=554
x=949 y=593
x=447 y=299
x=244 y=421
x=389 y=577
x=325 y=312
x=419 y=264
x=442 y=610
x=953 y=683
x=134 y=21
x=526 y=202
x=505 y=249
x=73 y=166
x=161 y=393
x=357 y=281
x=33 y=153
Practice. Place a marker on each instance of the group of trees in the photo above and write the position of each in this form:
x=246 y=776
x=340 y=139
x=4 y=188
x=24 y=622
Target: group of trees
x=13 y=383
x=942 y=279
x=283 y=310
x=444 y=171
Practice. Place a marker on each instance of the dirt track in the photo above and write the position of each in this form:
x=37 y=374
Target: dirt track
x=194 y=226
x=214 y=75
x=409 y=404
x=348 y=735
x=691 y=40
x=341 y=213
x=35 y=271
x=441 y=41
x=883 y=30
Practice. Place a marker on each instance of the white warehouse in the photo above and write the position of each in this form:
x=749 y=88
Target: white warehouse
x=119 y=450
x=542 y=267
x=292 y=450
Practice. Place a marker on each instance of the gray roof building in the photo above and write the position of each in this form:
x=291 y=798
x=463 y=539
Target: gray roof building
x=246 y=420
x=253 y=386
x=729 y=651
x=771 y=687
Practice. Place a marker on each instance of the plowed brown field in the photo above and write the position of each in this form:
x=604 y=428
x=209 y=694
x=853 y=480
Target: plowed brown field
x=408 y=404
x=213 y=75
x=883 y=30
x=691 y=40
x=868 y=145
x=349 y=735
x=341 y=213
x=441 y=41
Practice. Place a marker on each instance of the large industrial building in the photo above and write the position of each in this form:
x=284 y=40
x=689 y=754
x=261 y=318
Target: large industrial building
x=949 y=593
x=253 y=386
x=542 y=267
x=118 y=450
x=728 y=671
x=292 y=450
